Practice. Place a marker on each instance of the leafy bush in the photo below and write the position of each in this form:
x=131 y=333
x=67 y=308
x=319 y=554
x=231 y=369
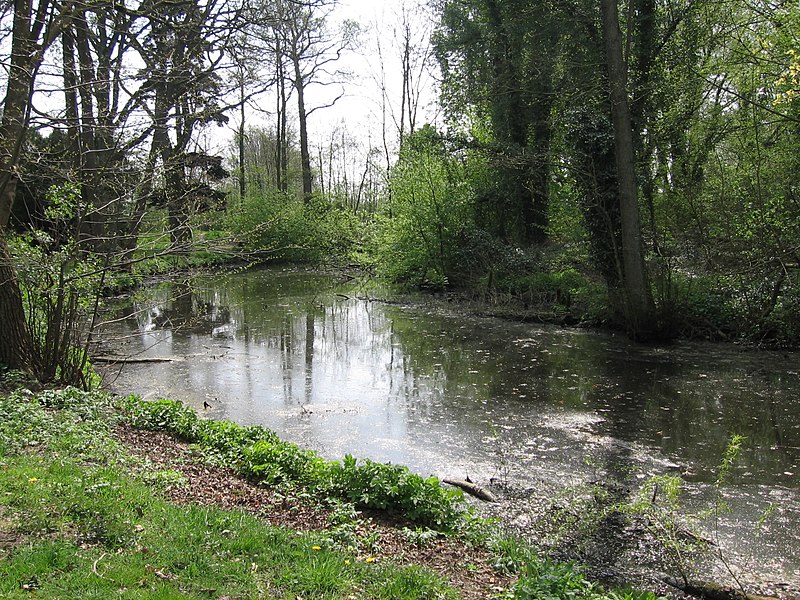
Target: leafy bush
x=60 y=282
x=23 y=423
x=228 y=442
x=276 y=462
x=393 y=487
x=285 y=228
x=419 y=236
x=731 y=307
x=542 y=579
x=166 y=415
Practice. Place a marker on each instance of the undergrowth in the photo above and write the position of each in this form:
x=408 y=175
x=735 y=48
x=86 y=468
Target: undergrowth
x=75 y=523
x=257 y=453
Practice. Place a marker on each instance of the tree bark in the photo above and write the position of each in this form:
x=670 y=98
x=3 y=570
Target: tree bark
x=242 y=170
x=305 y=156
x=639 y=309
x=24 y=62
x=16 y=348
x=29 y=40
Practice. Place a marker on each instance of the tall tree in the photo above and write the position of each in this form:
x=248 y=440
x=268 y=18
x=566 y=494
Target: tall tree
x=638 y=302
x=498 y=61
x=181 y=50
x=95 y=47
x=34 y=30
x=302 y=35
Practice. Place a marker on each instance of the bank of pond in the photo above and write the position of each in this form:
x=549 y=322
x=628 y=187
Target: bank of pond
x=83 y=516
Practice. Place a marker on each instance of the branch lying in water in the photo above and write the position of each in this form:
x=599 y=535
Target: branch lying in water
x=712 y=591
x=122 y=359
x=472 y=489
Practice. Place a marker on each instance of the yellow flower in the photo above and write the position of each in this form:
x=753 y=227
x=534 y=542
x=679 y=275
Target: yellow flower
x=33 y=480
x=370 y=559
x=316 y=547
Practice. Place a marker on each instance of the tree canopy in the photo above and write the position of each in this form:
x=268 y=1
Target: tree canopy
x=648 y=147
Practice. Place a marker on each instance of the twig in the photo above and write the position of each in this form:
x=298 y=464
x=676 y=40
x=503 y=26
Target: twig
x=94 y=565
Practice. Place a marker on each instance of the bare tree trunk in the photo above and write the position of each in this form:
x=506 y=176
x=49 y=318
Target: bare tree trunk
x=305 y=157
x=282 y=143
x=70 y=91
x=242 y=172
x=639 y=308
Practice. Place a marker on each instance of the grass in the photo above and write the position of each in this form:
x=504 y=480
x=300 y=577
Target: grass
x=81 y=518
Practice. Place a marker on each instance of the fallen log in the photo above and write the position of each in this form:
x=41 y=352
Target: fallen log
x=712 y=591
x=123 y=359
x=481 y=493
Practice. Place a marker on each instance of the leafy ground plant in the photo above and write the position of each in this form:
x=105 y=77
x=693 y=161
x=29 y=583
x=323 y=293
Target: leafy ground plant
x=257 y=453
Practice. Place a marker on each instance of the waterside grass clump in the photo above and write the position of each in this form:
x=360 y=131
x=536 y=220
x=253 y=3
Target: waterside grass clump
x=82 y=518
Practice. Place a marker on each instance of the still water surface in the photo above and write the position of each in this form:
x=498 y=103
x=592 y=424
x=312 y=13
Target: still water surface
x=536 y=408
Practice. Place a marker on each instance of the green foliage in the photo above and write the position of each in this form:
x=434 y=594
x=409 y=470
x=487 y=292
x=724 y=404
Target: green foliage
x=277 y=463
x=732 y=452
x=166 y=415
x=421 y=536
x=86 y=528
x=542 y=579
x=228 y=442
x=24 y=423
x=544 y=289
x=80 y=425
x=83 y=528
x=732 y=308
x=393 y=487
x=60 y=288
x=426 y=220
x=281 y=227
x=258 y=453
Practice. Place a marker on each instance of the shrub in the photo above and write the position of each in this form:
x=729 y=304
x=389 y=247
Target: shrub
x=283 y=227
x=422 y=230
x=393 y=487
x=167 y=415
x=276 y=462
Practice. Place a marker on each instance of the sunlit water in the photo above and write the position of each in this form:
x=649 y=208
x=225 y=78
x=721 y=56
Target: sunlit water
x=537 y=408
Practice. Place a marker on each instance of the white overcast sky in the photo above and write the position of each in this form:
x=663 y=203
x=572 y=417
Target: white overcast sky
x=359 y=111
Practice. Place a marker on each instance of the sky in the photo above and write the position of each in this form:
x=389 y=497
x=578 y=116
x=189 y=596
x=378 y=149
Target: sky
x=359 y=111
x=380 y=20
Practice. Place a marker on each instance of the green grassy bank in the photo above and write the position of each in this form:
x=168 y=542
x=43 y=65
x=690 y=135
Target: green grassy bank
x=81 y=517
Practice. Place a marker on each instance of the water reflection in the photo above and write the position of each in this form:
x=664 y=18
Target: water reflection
x=455 y=395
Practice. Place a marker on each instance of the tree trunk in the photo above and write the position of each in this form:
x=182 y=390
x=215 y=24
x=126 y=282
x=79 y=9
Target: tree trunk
x=16 y=348
x=639 y=309
x=24 y=62
x=27 y=49
x=242 y=172
x=305 y=157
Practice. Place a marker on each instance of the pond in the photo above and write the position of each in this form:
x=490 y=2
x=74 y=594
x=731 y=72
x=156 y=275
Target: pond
x=535 y=411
